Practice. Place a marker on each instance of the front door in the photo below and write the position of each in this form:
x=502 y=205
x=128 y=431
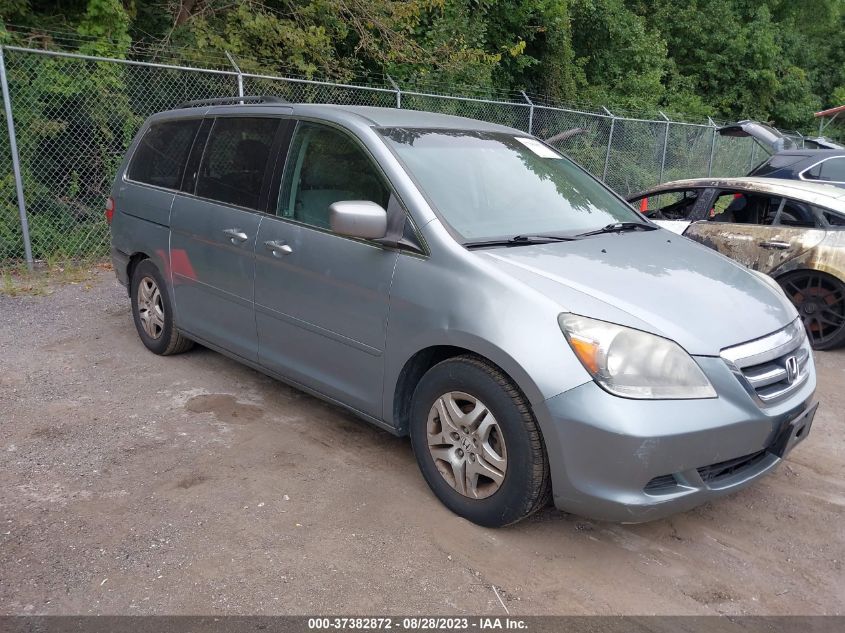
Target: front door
x=321 y=299
x=761 y=231
x=213 y=235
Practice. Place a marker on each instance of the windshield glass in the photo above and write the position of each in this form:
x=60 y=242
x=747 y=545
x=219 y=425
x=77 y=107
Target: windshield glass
x=492 y=185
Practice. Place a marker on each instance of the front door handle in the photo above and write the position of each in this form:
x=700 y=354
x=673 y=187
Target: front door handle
x=236 y=236
x=774 y=244
x=278 y=248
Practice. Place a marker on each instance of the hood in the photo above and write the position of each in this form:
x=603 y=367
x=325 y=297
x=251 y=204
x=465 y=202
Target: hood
x=654 y=281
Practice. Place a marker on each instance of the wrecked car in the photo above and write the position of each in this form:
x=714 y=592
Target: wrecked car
x=791 y=230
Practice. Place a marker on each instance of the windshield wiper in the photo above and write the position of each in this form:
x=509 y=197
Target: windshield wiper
x=618 y=227
x=521 y=240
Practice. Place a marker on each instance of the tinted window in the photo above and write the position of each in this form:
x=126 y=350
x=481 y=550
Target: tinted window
x=832 y=170
x=235 y=159
x=161 y=155
x=493 y=185
x=326 y=166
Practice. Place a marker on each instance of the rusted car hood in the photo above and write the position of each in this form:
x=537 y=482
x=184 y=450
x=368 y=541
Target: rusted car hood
x=654 y=281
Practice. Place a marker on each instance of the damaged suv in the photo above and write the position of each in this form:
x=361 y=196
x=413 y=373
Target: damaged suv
x=465 y=284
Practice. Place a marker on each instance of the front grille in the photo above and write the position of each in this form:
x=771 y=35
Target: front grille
x=774 y=366
x=716 y=472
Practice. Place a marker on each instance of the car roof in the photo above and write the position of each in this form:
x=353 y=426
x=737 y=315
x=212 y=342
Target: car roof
x=369 y=115
x=811 y=192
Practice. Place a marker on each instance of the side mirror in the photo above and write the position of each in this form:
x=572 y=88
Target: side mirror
x=358 y=218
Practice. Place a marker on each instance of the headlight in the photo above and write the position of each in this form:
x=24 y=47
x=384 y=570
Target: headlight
x=634 y=364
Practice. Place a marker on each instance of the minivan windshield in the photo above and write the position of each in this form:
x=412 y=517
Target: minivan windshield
x=494 y=185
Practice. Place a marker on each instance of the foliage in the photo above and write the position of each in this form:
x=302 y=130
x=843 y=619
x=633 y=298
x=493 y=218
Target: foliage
x=775 y=60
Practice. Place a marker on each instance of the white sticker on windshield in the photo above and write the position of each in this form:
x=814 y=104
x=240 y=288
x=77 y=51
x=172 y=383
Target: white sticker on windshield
x=537 y=147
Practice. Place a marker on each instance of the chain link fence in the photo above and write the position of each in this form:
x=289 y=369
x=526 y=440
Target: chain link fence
x=74 y=116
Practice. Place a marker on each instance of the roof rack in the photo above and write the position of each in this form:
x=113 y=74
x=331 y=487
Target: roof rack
x=198 y=103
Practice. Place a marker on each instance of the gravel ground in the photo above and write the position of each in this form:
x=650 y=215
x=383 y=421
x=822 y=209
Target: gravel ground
x=134 y=484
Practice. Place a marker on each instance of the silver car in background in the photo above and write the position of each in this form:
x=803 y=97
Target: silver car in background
x=462 y=283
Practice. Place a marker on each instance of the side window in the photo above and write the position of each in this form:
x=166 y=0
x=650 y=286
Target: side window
x=799 y=214
x=326 y=166
x=161 y=155
x=833 y=170
x=668 y=205
x=235 y=159
x=835 y=220
x=744 y=208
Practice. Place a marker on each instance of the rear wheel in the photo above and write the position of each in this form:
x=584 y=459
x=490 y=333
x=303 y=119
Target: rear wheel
x=153 y=312
x=477 y=443
x=820 y=300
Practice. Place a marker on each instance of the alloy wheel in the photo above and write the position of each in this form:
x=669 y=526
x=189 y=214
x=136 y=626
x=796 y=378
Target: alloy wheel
x=467 y=445
x=150 y=307
x=820 y=300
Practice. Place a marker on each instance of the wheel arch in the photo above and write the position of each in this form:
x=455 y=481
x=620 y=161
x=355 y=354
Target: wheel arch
x=424 y=359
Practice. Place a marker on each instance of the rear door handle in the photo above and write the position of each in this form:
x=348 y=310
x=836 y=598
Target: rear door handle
x=278 y=248
x=774 y=244
x=236 y=236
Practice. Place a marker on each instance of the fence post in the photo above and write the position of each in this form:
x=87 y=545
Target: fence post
x=398 y=91
x=665 y=144
x=712 y=149
x=530 y=112
x=240 y=74
x=609 y=143
x=16 y=166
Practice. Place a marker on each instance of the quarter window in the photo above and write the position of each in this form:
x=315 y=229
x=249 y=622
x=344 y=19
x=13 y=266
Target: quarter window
x=162 y=153
x=235 y=159
x=325 y=166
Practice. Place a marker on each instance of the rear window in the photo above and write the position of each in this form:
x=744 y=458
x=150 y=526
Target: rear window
x=235 y=160
x=778 y=161
x=162 y=153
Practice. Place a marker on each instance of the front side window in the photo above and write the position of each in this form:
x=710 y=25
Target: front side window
x=493 y=185
x=668 y=205
x=235 y=159
x=325 y=166
x=162 y=153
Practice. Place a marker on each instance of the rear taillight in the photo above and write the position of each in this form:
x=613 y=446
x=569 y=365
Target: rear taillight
x=109 y=210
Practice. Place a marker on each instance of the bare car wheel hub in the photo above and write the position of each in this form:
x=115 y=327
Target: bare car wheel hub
x=150 y=308
x=466 y=444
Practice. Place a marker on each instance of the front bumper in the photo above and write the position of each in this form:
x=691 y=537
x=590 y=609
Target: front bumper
x=626 y=460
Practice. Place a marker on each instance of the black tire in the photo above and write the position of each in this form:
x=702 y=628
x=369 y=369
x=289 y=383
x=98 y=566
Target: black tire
x=820 y=300
x=526 y=485
x=165 y=339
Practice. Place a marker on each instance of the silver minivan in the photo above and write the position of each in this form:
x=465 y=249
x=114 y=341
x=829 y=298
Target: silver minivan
x=465 y=284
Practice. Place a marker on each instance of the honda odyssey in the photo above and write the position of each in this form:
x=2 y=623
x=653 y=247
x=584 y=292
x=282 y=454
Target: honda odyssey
x=465 y=284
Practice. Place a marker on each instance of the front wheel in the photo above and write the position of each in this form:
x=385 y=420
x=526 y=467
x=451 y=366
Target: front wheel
x=477 y=443
x=820 y=300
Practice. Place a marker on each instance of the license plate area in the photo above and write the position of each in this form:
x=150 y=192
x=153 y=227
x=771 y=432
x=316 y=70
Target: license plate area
x=794 y=432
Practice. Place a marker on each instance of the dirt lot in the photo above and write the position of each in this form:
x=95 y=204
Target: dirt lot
x=134 y=484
